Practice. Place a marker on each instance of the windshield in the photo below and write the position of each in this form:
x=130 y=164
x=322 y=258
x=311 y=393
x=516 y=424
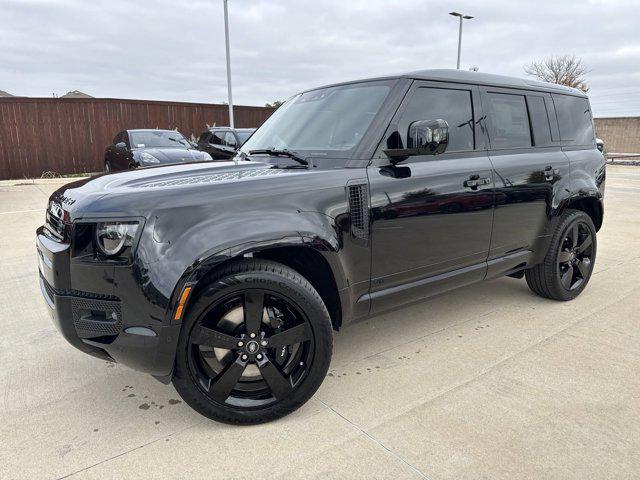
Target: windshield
x=158 y=139
x=328 y=122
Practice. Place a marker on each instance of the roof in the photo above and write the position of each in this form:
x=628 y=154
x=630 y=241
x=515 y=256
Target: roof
x=76 y=94
x=5 y=94
x=244 y=129
x=478 y=78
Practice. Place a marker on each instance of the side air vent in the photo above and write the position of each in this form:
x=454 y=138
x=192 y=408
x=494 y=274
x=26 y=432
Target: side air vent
x=359 y=209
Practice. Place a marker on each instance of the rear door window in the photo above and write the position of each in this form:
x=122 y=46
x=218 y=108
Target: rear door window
x=452 y=106
x=574 y=119
x=508 y=121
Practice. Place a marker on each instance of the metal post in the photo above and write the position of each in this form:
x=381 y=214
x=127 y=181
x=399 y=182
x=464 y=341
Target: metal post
x=459 y=42
x=226 y=37
x=460 y=17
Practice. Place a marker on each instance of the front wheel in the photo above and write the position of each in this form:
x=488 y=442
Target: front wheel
x=255 y=346
x=568 y=264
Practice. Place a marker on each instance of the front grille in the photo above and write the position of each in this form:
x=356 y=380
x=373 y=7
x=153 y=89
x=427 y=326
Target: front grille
x=96 y=318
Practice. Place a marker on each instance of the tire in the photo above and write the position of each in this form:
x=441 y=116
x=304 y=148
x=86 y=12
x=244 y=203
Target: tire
x=227 y=375
x=568 y=263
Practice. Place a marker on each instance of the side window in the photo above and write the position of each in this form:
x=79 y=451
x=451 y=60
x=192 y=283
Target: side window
x=453 y=106
x=217 y=138
x=508 y=121
x=540 y=125
x=230 y=140
x=574 y=119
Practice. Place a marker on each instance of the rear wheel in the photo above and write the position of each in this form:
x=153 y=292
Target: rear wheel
x=255 y=346
x=568 y=264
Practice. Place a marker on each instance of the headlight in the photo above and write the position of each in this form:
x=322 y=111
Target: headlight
x=148 y=158
x=113 y=238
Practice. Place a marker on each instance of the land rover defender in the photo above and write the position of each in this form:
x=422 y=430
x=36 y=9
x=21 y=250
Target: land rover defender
x=229 y=278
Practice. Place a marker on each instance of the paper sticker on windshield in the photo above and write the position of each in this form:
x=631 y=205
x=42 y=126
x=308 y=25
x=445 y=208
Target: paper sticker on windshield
x=140 y=145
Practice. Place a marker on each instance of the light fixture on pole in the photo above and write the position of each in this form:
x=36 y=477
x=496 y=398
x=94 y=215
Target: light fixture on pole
x=460 y=16
x=226 y=37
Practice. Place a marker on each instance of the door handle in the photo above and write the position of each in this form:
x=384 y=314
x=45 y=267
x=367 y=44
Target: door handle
x=475 y=181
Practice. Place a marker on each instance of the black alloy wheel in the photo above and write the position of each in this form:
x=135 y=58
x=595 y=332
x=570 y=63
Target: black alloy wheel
x=251 y=350
x=575 y=256
x=569 y=261
x=256 y=345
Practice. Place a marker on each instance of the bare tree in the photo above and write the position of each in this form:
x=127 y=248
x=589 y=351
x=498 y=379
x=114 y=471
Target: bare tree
x=563 y=69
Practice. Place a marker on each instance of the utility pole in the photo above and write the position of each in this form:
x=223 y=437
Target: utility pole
x=460 y=16
x=226 y=38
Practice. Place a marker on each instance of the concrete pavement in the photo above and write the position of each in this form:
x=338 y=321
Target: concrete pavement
x=484 y=382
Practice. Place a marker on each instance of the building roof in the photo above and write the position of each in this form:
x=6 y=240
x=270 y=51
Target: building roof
x=76 y=94
x=5 y=94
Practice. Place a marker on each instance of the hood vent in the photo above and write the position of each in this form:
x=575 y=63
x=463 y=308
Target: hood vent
x=214 y=177
x=358 y=193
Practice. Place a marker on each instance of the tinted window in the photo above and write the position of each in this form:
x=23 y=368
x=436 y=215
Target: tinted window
x=508 y=121
x=452 y=106
x=230 y=139
x=217 y=138
x=574 y=119
x=539 y=121
x=204 y=137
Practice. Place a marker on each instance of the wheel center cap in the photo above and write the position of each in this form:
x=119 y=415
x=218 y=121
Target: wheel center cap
x=253 y=346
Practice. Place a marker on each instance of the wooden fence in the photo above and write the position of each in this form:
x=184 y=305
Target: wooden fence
x=66 y=135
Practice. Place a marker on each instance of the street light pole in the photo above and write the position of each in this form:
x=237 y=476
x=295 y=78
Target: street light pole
x=226 y=38
x=460 y=16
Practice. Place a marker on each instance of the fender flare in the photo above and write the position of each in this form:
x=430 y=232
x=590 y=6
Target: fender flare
x=213 y=258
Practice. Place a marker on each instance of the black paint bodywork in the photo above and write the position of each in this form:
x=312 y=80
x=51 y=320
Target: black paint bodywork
x=423 y=231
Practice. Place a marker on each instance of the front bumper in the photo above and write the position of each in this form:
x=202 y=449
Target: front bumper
x=100 y=324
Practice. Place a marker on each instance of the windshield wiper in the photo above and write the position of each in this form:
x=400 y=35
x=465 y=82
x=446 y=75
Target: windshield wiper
x=285 y=152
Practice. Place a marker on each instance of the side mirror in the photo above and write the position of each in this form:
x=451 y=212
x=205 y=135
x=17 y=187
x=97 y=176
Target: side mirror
x=121 y=146
x=424 y=137
x=430 y=137
x=599 y=144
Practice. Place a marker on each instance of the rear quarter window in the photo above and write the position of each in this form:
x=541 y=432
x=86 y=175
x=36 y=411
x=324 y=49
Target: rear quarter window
x=574 y=120
x=540 y=124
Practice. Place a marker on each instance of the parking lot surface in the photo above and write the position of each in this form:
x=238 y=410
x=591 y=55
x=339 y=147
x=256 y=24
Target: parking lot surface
x=484 y=382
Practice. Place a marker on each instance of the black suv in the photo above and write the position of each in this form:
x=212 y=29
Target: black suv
x=351 y=200
x=132 y=149
x=222 y=143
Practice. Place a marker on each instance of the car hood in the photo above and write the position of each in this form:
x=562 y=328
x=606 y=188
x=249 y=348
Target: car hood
x=174 y=155
x=139 y=192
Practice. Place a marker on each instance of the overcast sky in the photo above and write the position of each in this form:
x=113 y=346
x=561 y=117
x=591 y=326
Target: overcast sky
x=174 y=50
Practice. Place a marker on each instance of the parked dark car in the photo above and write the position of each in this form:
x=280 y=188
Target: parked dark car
x=149 y=148
x=222 y=143
x=351 y=200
